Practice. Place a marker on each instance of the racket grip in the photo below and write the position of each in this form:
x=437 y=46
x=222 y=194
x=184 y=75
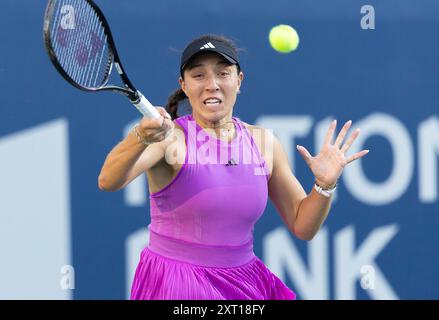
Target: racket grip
x=145 y=107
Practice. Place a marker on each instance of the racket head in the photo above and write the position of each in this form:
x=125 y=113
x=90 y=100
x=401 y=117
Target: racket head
x=79 y=43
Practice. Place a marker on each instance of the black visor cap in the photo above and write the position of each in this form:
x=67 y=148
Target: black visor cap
x=208 y=45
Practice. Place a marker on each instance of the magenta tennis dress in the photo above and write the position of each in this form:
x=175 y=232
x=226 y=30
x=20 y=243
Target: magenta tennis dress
x=201 y=231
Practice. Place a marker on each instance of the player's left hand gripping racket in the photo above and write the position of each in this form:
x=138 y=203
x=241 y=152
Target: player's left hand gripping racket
x=80 y=45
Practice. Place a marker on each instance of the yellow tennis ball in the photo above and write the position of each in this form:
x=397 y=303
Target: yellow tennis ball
x=283 y=38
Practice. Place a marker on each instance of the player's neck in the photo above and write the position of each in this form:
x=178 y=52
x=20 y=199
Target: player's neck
x=224 y=123
x=224 y=128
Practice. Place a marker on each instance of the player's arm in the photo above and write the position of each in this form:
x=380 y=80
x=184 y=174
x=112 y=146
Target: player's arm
x=127 y=161
x=129 y=158
x=284 y=190
x=302 y=213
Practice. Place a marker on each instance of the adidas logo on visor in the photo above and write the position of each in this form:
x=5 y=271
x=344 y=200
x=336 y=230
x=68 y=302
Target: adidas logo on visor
x=207 y=46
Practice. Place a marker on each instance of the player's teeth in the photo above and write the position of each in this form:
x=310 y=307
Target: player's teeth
x=212 y=101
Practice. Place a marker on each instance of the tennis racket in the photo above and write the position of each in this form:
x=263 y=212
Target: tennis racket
x=80 y=45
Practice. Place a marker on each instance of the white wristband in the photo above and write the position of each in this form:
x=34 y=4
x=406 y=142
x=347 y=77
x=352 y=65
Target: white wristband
x=324 y=192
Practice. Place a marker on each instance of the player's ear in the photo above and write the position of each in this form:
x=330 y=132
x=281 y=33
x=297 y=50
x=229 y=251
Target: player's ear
x=240 y=78
x=182 y=84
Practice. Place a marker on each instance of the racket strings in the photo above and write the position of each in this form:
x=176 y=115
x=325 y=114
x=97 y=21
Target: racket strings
x=80 y=44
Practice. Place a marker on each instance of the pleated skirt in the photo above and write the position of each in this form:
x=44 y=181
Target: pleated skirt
x=174 y=270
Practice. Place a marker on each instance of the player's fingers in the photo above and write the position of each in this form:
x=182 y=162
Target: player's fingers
x=166 y=118
x=163 y=112
x=330 y=133
x=305 y=154
x=356 y=156
x=147 y=122
x=154 y=136
x=349 y=142
x=167 y=125
x=156 y=129
x=150 y=123
x=342 y=134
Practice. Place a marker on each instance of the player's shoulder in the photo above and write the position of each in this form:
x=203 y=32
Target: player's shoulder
x=258 y=129
x=251 y=126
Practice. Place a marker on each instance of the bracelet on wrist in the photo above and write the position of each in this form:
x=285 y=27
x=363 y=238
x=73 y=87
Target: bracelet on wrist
x=325 y=187
x=327 y=192
x=139 y=138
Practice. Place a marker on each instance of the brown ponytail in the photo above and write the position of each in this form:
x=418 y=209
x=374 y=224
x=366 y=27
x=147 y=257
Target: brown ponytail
x=173 y=101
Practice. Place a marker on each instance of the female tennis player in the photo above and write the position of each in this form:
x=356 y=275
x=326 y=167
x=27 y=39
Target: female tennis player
x=204 y=207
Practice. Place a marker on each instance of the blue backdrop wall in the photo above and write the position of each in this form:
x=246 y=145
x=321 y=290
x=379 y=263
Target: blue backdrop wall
x=63 y=238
